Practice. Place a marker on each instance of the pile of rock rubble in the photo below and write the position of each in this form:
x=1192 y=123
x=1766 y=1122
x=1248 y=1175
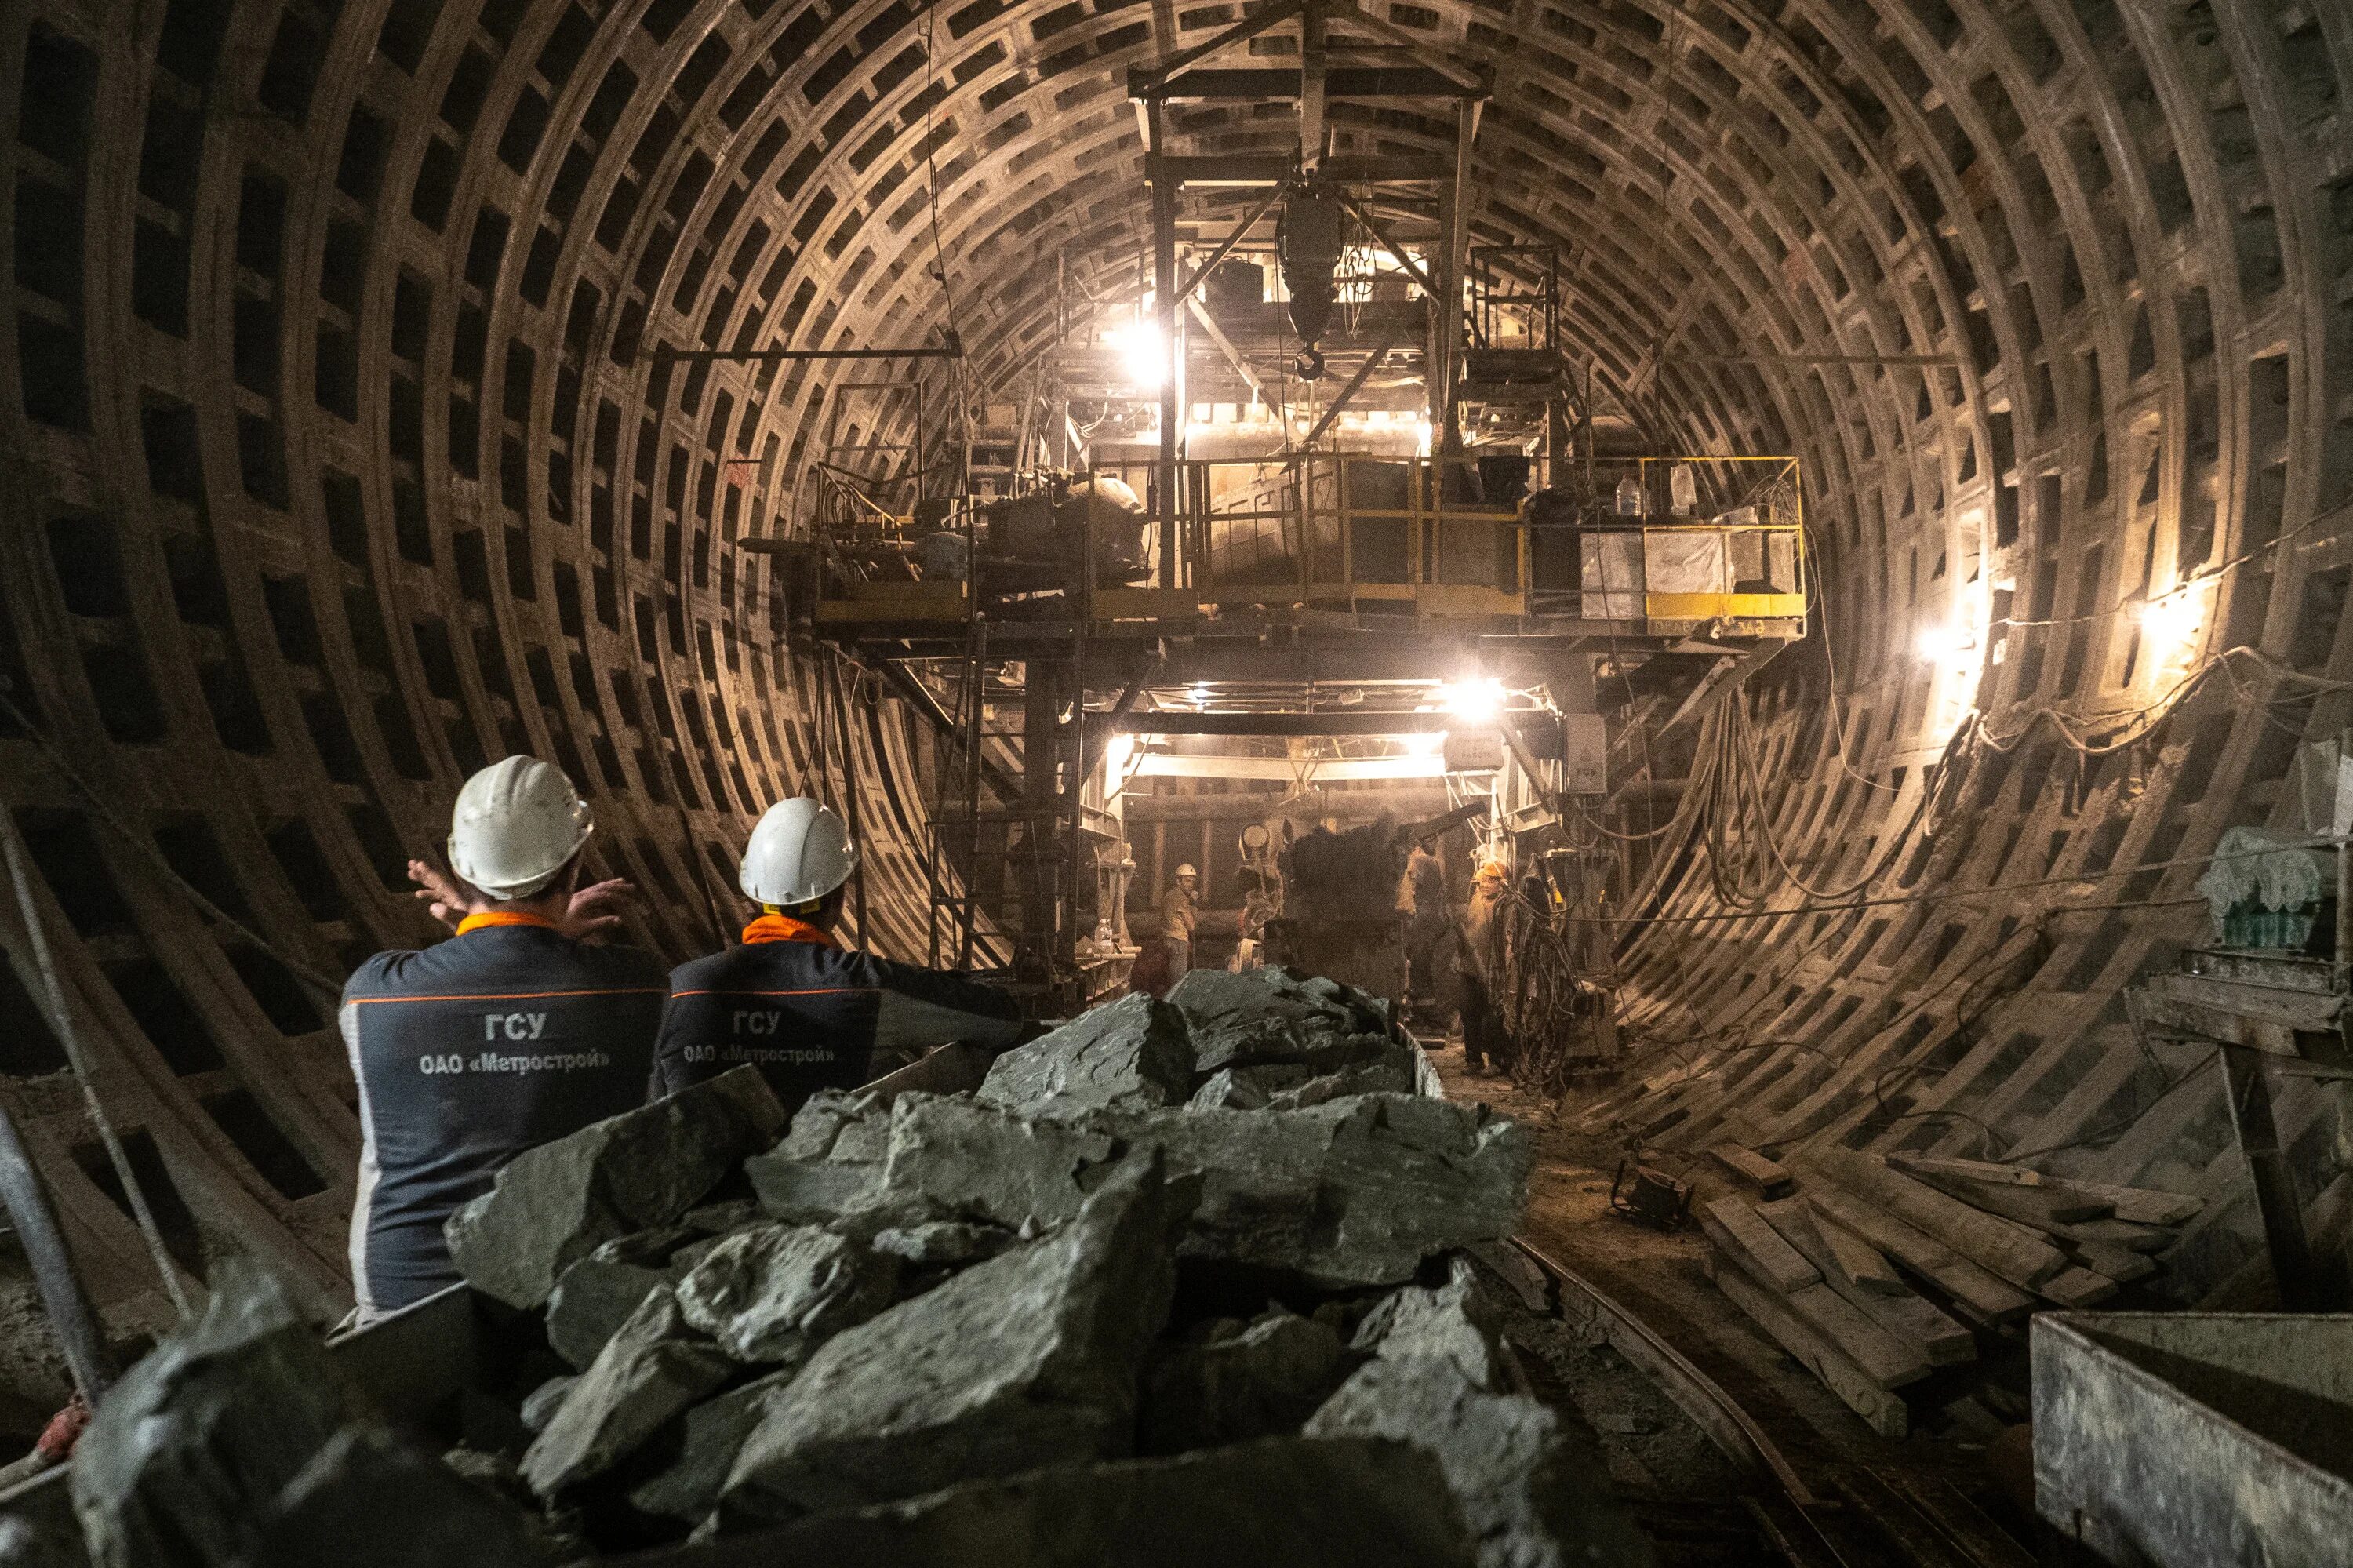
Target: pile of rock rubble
x=1173 y=1286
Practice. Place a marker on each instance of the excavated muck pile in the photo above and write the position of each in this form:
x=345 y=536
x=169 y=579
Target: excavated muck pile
x=1178 y=1284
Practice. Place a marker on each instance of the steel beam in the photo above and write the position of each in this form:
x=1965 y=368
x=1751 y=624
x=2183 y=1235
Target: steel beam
x=1281 y=725
x=951 y=348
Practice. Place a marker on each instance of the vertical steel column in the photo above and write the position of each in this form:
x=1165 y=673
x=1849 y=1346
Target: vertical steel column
x=1163 y=298
x=1449 y=279
x=2301 y=1288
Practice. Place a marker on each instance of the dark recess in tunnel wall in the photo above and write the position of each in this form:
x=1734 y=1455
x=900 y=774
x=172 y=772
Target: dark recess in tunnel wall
x=339 y=465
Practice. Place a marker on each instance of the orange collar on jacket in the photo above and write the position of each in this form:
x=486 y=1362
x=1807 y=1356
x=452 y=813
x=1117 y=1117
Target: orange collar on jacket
x=489 y=917
x=784 y=928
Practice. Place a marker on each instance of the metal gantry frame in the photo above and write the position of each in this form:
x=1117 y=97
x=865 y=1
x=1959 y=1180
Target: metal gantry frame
x=1399 y=66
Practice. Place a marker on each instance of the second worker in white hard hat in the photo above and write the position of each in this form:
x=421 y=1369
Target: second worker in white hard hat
x=512 y=1033
x=791 y=1000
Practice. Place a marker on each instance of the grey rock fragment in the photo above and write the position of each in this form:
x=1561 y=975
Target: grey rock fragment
x=715 y=1430
x=1528 y=1496
x=1228 y=1089
x=647 y=1373
x=726 y=1215
x=1352 y=1192
x=1453 y=1322
x=1270 y=1016
x=592 y=1300
x=944 y=1242
x=777 y=1293
x=367 y=1500
x=185 y=1453
x=1130 y=1056
x=810 y=1193
x=540 y=1406
x=557 y=1204
x=647 y=1249
x=1387 y=1076
x=1261 y=1381
x=1335 y=1504
x=1026 y=1360
x=989 y=1162
x=858 y=1124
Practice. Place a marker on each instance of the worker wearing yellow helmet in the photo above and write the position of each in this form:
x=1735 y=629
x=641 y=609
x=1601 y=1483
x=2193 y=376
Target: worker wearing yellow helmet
x=792 y=1000
x=1484 y=1040
x=518 y=1030
x=1179 y=909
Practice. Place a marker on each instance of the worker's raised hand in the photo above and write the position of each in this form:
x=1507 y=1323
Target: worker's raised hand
x=446 y=897
x=597 y=909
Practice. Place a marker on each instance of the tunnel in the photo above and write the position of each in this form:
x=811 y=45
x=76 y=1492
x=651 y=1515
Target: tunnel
x=369 y=419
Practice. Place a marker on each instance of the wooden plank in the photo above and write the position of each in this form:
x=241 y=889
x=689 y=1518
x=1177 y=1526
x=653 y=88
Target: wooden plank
x=1883 y=1410
x=2012 y=1250
x=1770 y=1177
x=1909 y=1317
x=1737 y=1230
x=1984 y=1296
x=2118 y=1232
x=2041 y=1207
x=2078 y=1288
x=2120 y=1263
x=2140 y=1205
x=1856 y=1261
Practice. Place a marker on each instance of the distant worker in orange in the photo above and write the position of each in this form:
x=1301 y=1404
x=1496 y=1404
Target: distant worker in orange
x=1179 y=912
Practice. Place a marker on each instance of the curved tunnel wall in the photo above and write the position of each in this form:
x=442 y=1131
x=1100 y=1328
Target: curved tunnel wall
x=339 y=462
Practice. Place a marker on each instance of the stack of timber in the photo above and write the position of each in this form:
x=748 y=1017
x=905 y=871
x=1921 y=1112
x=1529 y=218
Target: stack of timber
x=1877 y=1272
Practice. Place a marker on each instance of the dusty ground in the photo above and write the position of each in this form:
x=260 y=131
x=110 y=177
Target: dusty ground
x=1656 y=1456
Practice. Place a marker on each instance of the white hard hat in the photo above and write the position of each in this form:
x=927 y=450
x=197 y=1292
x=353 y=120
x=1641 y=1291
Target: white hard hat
x=518 y=823
x=1187 y=871
x=800 y=851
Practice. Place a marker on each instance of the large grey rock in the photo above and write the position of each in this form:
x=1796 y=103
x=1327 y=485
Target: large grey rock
x=829 y=1164
x=1352 y=1192
x=992 y=1163
x=1530 y=1498
x=1229 y=1088
x=647 y=1373
x=1130 y=1056
x=1026 y=1360
x=592 y=1298
x=943 y=1244
x=1270 y=1015
x=187 y=1450
x=1259 y=1381
x=1390 y=1074
x=1454 y=1322
x=1334 y=1504
x=554 y=1204
x=777 y=1293
x=369 y=1501
x=689 y=1487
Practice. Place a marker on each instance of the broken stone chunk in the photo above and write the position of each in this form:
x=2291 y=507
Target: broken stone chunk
x=1026 y=1360
x=944 y=1242
x=1261 y=1381
x=1228 y=1089
x=1387 y=1076
x=1454 y=1322
x=837 y=1124
x=557 y=1204
x=989 y=1162
x=1330 y=1504
x=777 y=1293
x=1130 y=1056
x=591 y=1302
x=810 y=1193
x=185 y=1453
x=367 y=1499
x=647 y=1372
x=715 y=1430
x=540 y=1406
x=1530 y=1499
x=1270 y=1016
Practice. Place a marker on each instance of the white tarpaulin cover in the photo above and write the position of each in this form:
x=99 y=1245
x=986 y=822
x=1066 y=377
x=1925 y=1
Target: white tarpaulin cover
x=1612 y=574
x=1687 y=560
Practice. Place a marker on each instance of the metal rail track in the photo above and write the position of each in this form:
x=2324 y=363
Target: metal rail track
x=1873 y=1517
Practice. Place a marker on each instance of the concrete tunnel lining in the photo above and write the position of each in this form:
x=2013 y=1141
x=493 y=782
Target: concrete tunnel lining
x=342 y=464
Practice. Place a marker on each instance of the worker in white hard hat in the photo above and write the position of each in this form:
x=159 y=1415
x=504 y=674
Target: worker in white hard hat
x=1179 y=909
x=520 y=1029
x=792 y=1000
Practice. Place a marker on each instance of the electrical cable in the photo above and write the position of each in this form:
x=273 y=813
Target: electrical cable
x=20 y=873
